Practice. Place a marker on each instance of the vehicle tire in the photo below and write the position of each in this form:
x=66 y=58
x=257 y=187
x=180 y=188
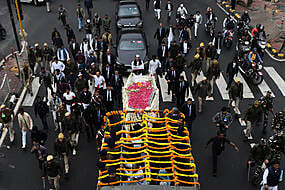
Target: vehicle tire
x=256 y=78
x=228 y=43
x=36 y=3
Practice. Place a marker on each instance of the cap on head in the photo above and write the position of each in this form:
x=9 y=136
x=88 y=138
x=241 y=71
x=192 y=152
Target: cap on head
x=137 y=56
x=60 y=136
x=204 y=78
x=201 y=44
x=49 y=158
x=2 y=106
x=215 y=61
x=36 y=45
x=80 y=74
x=256 y=102
x=45 y=44
x=237 y=80
x=210 y=43
x=67 y=114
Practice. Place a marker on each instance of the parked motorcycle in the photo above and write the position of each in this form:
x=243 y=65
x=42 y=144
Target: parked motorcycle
x=228 y=40
x=261 y=46
x=252 y=71
x=2 y=33
x=243 y=48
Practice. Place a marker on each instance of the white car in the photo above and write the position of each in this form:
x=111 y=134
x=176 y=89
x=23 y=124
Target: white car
x=35 y=2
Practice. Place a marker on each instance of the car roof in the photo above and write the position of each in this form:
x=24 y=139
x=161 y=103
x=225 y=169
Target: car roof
x=128 y=1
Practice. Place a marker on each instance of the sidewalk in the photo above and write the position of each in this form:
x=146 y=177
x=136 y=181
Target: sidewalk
x=271 y=15
x=10 y=82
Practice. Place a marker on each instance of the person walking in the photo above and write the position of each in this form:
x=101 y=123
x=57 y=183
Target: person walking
x=235 y=95
x=213 y=74
x=41 y=109
x=6 y=119
x=160 y=34
x=89 y=6
x=62 y=54
x=54 y=103
x=162 y=53
x=61 y=151
x=52 y=171
x=88 y=118
x=48 y=6
x=88 y=30
x=203 y=90
x=25 y=123
x=189 y=110
x=267 y=106
x=157 y=9
x=47 y=54
x=106 y=23
x=70 y=128
x=172 y=78
x=218 y=146
x=80 y=14
x=182 y=91
x=31 y=58
x=62 y=14
x=154 y=67
x=46 y=79
x=223 y=120
x=196 y=68
x=169 y=9
x=211 y=54
x=38 y=136
x=251 y=115
x=60 y=115
x=198 y=21
x=232 y=70
x=40 y=152
x=117 y=83
x=69 y=33
x=272 y=176
x=97 y=23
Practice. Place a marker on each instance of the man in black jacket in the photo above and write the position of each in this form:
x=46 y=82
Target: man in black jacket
x=182 y=89
x=73 y=47
x=70 y=127
x=160 y=34
x=88 y=118
x=218 y=146
x=46 y=79
x=85 y=97
x=108 y=98
x=117 y=83
x=232 y=70
x=108 y=57
x=41 y=108
x=211 y=54
x=172 y=77
x=52 y=171
x=162 y=54
x=189 y=110
x=107 y=73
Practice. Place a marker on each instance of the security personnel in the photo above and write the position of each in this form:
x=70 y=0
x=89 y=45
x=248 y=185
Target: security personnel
x=6 y=119
x=266 y=103
x=278 y=122
x=61 y=150
x=223 y=120
x=251 y=115
x=52 y=171
x=196 y=68
x=47 y=53
x=235 y=94
x=70 y=127
x=272 y=176
x=259 y=153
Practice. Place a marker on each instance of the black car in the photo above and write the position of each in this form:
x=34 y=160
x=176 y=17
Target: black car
x=130 y=42
x=128 y=15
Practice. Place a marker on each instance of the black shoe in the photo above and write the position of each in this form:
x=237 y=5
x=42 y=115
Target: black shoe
x=227 y=88
x=214 y=174
x=264 y=131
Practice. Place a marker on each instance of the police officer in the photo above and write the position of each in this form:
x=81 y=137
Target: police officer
x=70 y=127
x=223 y=119
x=61 y=150
x=52 y=170
x=266 y=103
x=259 y=153
x=251 y=115
x=235 y=94
x=278 y=122
x=6 y=119
x=272 y=176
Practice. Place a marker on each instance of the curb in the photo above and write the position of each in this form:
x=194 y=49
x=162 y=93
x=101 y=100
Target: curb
x=272 y=52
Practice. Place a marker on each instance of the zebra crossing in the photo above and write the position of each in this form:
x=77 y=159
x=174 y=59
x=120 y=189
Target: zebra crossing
x=221 y=84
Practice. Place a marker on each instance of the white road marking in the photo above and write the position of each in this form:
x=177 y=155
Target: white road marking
x=246 y=90
x=263 y=87
x=164 y=90
x=278 y=80
x=222 y=86
x=29 y=100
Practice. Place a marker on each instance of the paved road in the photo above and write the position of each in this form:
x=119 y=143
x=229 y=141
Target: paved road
x=231 y=169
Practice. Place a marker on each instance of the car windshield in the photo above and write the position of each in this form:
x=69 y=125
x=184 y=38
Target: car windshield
x=128 y=11
x=131 y=45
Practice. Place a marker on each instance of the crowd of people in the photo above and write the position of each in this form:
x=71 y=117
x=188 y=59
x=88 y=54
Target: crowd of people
x=85 y=83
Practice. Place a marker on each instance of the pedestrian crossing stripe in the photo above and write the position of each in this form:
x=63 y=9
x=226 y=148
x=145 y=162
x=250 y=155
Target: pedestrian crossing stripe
x=221 y=84
x=276 y=78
